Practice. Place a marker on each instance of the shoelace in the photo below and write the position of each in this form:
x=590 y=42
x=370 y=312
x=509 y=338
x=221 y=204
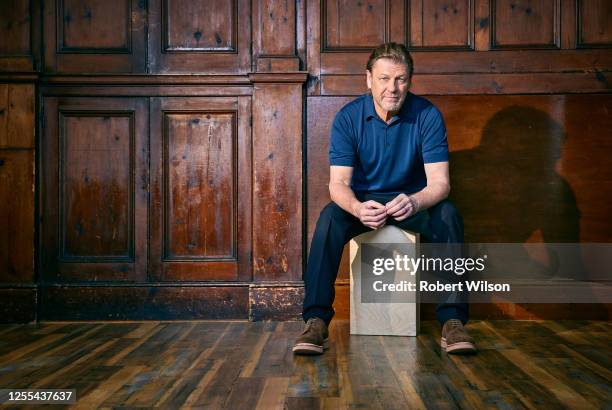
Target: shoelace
x=309 y=323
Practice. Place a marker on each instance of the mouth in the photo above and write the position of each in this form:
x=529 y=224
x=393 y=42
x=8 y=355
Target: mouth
x=392 y=99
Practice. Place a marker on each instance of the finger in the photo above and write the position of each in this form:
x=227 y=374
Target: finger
x=375 y=211
x=397 y=208
x=375 y=225
x=374 y=218
x=374 y=205
x=403 y=216
x=396 y=200
x=399 y=213
x=407 y=209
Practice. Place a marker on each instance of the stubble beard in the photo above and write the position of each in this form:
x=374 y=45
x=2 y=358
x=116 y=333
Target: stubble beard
x=392 y=107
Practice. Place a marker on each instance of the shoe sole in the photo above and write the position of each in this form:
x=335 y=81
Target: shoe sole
x=310 y=348
x=458 y=348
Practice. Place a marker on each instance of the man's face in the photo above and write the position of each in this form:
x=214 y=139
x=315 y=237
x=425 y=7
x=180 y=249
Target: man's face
x=389 y=82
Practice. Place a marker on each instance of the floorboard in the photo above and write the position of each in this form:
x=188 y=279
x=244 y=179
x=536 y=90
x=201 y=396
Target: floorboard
x=240 y=365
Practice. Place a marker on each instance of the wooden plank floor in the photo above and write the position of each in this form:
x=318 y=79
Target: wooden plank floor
x=241 y=365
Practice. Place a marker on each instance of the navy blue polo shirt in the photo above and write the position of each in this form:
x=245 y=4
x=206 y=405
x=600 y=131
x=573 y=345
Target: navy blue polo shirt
x=388 y=158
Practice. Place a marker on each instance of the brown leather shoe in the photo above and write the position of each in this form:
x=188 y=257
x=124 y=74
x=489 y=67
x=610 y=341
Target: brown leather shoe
x=313 y=339
x=455 y=338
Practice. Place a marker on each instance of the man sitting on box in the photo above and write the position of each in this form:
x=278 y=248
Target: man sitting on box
x=388 y=165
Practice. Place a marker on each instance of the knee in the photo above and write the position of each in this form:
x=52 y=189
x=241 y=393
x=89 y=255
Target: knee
x=330 y=212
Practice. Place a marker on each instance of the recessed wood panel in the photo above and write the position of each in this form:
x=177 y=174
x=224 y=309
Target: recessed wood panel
x=19 y=35
x=354 y=23
x=94 y=25
x=594 y=23
x=97 y=186
x=200 y=173
x=446 y=23
x=15 y=20
x=525 y=23
x=202 y=25
x=200 y=189
x=95 y=36
x=199 y=36
x=94 y=183
x=16 y=216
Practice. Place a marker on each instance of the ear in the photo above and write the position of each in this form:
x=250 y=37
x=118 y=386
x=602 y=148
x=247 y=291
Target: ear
x=369 y=79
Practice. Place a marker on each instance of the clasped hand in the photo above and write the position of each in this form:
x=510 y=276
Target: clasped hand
x=374 y=215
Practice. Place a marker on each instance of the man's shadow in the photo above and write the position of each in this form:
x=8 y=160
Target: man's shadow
x=508 y=189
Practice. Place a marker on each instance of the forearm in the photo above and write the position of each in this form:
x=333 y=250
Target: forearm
x=344 y=197
x=431 y=195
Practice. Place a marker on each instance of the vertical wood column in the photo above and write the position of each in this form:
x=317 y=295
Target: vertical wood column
x=278 y=104
x=277 y=176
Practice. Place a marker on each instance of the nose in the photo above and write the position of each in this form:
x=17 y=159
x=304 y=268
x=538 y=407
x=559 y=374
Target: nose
x=392 y=87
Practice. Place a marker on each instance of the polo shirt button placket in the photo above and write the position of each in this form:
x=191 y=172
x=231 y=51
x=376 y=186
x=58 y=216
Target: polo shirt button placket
x=387 y=136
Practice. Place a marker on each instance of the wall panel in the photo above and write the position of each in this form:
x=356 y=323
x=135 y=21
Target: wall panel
x=201 y=189
x=172 y=180
x=525 y=23
x=354 y=24
x=594 y=23
x=95 y=36
x=19 y=35
x=95 y=183
x=445 y=24
x=199 y=36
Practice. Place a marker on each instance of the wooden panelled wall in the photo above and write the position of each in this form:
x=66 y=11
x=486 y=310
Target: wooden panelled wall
x=168 y=158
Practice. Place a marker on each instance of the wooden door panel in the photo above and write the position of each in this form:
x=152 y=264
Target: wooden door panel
x=95 y=189
x=200 y=189
x=200 y=36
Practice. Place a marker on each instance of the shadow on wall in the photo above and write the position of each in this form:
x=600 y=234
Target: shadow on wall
x=508 y=188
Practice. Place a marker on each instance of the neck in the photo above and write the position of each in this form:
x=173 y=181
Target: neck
x=384 y=115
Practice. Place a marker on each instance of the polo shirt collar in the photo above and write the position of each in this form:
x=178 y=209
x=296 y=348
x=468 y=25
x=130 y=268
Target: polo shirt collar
x=406 y=112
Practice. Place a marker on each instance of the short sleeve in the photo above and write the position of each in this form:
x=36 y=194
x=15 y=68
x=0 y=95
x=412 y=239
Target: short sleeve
x=433 y=137
x=341 y=144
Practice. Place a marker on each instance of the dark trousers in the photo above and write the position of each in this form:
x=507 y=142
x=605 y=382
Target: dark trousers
x=441 y=223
